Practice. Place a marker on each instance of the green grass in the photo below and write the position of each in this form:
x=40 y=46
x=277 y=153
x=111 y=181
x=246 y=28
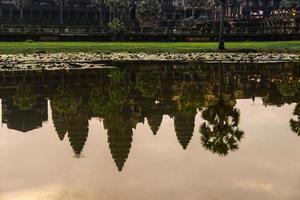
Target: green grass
x=172 y=47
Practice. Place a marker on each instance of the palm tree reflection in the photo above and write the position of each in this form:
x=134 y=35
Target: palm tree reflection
x=295 y=123
x=220 y=133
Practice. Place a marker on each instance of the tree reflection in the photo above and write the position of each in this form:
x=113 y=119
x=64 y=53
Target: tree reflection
x=295 y=123
x=148 y=84
x=24 y=98
x=220 y=133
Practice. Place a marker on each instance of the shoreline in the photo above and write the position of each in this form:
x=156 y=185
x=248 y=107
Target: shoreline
x=58 y=61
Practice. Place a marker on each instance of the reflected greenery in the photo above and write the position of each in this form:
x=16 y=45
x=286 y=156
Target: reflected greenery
x=24 y=98
x=63 y=101
x=288 y=86
x=295 y=123
x=148 y=84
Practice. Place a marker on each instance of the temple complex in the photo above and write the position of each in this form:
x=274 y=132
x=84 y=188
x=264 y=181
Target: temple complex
x=85 y=13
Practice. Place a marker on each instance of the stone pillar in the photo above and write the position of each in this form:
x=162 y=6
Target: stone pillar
x=40 y=15
x=78 y=16
x=31 y=17
x=10 y=15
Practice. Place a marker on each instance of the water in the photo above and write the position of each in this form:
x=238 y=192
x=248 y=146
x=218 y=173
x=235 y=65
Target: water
x=151 y=131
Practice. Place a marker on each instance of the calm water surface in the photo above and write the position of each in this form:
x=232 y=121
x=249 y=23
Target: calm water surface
x=151 y=132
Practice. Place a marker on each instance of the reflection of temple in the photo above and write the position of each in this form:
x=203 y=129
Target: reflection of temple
x=24 y=120
x=181 y=91
x=184 y=127
x=74 y=124
x=119 y=131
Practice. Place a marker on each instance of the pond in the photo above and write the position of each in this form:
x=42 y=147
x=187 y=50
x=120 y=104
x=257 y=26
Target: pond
x=152 y=131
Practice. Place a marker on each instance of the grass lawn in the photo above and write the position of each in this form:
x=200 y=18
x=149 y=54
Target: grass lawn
x=172 y=47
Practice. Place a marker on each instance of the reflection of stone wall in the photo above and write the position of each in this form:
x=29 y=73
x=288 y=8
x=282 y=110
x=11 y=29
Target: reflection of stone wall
x=24 y=120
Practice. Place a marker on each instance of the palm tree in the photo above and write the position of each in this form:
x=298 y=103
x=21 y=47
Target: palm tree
x=221 y=31
x=21 y=4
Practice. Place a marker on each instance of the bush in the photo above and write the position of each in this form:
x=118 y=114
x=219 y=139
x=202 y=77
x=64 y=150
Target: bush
x=116 y=27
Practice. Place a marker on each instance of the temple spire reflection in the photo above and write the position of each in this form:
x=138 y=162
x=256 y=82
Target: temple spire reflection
x=184 y=127
x=119 y=131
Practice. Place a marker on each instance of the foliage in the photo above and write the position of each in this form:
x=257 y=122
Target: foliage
x=99 y=3
x=220 y=133
x=63 y=101
x=295 y=123
x=288 y=4
x=118 y=90
x=187 y=4
x=98 y=100
x=116 y=26
x=288 y=86
x=21 y=3
x=148 y=12
x=24 y=98
x=110 y=99
x=189 y=96
x=148 y=84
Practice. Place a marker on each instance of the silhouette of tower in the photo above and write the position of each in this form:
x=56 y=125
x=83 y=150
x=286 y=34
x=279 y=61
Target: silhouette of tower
x=77 y=132
x=154 y=122
x=119 y=133
x=184 y=127
x=154 y=114
x=59 y=123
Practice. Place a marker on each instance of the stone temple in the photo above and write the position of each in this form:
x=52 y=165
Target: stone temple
x=84 y=13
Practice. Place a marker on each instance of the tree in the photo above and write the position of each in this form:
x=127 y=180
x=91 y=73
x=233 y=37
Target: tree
x=100 y=4
x=221 y=6
x=288 y=4
x=118 y=8
x=208 y=4
x=21 y=4
x=193 y=5
x=148 y=12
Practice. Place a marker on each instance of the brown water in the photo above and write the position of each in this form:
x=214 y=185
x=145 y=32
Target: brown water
x=153 y=132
